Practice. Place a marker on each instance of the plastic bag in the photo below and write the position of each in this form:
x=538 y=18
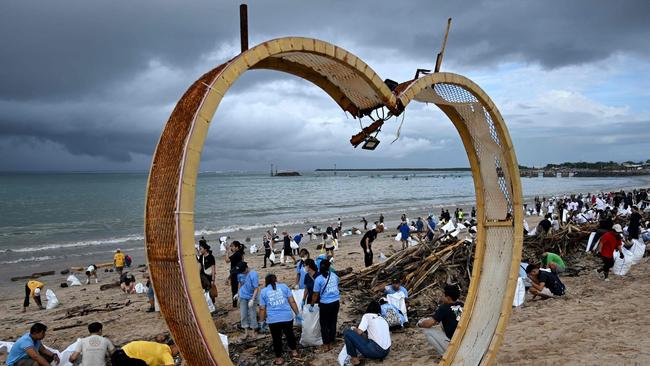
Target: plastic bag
x=310 y=336
x=208 y=300
x=253 y=249
x=622 y=266
x=382 y=256
x=282 y=256
x=448 y=227
x=344 y=359
x=520 y=293
x=72 y=280
x=397 y=299
x=272 y=256
x=293 y=245
x=65 y=355
x=590 y=242
x=224 y=341
x=638 y=250
x=52 y=301
x=297 y=297
x=222 y=247
x=140 y=288
x=412 y=242
x=6 y=346
x=398 y=237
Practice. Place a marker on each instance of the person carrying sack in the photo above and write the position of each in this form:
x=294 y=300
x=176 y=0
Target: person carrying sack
x=326 y=293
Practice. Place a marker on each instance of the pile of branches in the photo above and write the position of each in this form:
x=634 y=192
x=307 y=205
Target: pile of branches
x=420 y=268
x=569 y=241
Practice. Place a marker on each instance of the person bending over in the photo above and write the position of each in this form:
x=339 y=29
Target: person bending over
x=33 y=289
x=544 y=283
x=150 y=353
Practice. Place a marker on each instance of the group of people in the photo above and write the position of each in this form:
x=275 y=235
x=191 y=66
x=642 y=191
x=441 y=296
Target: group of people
x=93 y=350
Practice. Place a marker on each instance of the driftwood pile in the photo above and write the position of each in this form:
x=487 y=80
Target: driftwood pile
x=422 y=269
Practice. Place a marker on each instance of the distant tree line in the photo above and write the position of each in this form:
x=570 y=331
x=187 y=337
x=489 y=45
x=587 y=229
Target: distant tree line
x=599 y=165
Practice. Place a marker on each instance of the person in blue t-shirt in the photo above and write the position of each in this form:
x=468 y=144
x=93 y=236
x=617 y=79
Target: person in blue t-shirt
x=297 y=239
x=419 y=225
x=248 y=299
x=301 y=270
x=405 y=233
x=431 y=228
x=326 y=292
x=310 y=278
x=396 y=286
x=29 y=350
x=277 y=306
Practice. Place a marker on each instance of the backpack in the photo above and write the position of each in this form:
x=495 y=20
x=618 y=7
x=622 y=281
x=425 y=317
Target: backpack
x=392 y=317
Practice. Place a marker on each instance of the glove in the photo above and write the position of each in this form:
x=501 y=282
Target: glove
x=299 y=318
x=236 y=297
x=295 y=287
x=251 y=303
x=622 y=256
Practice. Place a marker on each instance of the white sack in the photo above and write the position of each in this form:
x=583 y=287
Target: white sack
x=520 y=293
x=72 y=280
x=311 y=328
x=208 y=300
x=52 y=301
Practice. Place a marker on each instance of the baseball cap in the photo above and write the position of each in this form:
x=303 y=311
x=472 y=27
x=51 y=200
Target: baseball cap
x=617 y=228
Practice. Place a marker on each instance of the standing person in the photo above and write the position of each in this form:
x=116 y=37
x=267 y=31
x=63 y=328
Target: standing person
x=29 y=350
x=288 y=252
x=609 y=242
x=634 y=227
x=366 y=244
x=473 y=213
x=297 y=239
x=268 y=248
x=405 y=233
x=151 y=298
x=419 y=225
x=335 y=238
x=328 y=244
x=119 y=260
x=91 y=272
x=461 y=215
x=236 y=257
x=310 y=232
x=310 y=278
x=431 y=228
x=381 y=218
x=339 y=224
x=448 y=315
x=365 y=223
x=326 y=293
x=94 y=349
x=275 y=232
x=33 y=289
x=377 y=345
x=301 y=269
x=277 y=307
x=207 y=271
x=248 y=290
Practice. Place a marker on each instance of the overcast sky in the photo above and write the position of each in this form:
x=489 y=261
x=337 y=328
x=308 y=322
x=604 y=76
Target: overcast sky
x=88 y=85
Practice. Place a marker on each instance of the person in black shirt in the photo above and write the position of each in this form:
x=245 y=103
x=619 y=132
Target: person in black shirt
x=544 y=226
x=208 y=271
x=267 y=250
x=448 y=315
x=288 y=252
x=633 y=228
x=236 y=256
x=312 y=273
x=366 y=244
x=544 y=284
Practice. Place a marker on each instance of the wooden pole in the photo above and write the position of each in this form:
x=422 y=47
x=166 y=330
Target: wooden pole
x=243 y=26
x=442 y=50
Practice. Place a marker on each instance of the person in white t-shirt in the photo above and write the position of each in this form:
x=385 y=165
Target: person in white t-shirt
x=377 y=345
x=94 y=349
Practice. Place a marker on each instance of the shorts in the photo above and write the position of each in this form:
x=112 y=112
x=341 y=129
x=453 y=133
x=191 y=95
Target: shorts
x=547 y=292
x=150 y=293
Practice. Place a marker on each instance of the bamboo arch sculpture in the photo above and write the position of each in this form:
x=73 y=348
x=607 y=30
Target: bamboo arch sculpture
x=169 y=211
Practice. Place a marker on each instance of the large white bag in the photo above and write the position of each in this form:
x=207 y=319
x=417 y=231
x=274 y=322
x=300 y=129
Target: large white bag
x=65 y=355
x=6 y=346
x=293 y=245
x=253 y=249
x=140 y=288
x=638 y=250
x=448 y=227
x=297 y=297
x=272 y=256
x=72 y=280
x=622 y=266
x=282 y=256
x=52 y=301
x=208 y=300
x=590 y=242
x=520 y=293
x=398 y=300
x=344 y=359
x=398 y=237
x=311 y=328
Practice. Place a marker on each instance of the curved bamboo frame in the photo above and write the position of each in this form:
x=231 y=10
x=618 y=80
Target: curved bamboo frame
x=169 y=211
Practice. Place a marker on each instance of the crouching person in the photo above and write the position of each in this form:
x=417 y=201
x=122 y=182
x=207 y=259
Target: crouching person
x=545 y=284
x=29 y=350
x=448 y=315
x=377 y=344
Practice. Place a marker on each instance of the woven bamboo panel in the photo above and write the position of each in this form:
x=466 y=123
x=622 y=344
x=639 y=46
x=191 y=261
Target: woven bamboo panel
x=169 y=213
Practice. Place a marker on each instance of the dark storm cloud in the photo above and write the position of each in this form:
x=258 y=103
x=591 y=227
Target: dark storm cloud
x=100 y=78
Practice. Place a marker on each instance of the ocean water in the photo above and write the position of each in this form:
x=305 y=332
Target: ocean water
x=73 y=217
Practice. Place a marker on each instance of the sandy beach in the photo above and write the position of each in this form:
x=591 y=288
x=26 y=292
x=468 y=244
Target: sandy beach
x=595 y=323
